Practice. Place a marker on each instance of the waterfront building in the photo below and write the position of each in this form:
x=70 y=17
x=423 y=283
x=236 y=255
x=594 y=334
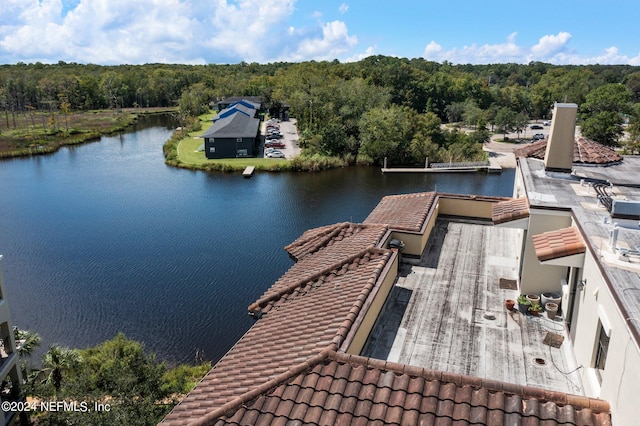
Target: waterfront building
x=400 y=319
x=9 y=371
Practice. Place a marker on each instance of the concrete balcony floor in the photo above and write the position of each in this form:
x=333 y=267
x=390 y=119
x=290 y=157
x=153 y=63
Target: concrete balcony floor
x=446 y=312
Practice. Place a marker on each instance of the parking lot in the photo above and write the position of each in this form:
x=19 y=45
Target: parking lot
x=289 y=132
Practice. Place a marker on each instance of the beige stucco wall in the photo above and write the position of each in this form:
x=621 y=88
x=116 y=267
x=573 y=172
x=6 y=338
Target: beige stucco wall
x=466 y=207
x=621 y=376
x=518 y=186
x=373 y=308
x=534 y=277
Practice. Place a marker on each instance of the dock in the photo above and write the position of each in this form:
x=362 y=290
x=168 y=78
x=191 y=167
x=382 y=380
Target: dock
x=428 y=170
x=248 y=172
x=451 y=167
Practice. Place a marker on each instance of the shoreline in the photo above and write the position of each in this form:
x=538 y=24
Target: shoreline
x=501 y=154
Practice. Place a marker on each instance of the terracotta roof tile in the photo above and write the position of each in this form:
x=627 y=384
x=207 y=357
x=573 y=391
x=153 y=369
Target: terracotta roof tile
x=326 y=250
x=506 y=211
x=317 y=239
x=559 y=243
x=301 y=321
x=427 y=400
x=406 y=212
x=285 y=369
x=585 y=151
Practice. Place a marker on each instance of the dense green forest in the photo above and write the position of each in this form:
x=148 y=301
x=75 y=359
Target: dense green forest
x=378 y=107
x=115 y=382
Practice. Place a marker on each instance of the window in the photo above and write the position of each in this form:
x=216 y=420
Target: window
x=212 y=149
x=242 y=153
x=238 y=139
x=602 y=347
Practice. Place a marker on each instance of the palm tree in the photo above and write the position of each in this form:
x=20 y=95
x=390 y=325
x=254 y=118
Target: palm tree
x=30 y=341
x=26 y=343
x=56 y=362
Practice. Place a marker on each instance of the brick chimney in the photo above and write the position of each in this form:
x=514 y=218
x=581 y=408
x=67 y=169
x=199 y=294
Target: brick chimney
x=559 y=154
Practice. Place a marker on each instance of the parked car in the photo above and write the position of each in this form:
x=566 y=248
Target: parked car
x=276 y=154
x=538 y=136
x=547 y=123
x=274 y=144
x=536 y=127
x=274 y=136
x=268 y=150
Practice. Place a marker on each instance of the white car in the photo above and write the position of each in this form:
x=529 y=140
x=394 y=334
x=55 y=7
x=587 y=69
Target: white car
x=275 y=154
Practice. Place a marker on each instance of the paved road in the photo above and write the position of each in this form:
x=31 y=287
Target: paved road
x=289 y=131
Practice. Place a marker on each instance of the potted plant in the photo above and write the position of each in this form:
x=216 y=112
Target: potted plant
x=523 y=303
x=552 y=309
x=535 y=309
x=509 y=304
x=534 y=299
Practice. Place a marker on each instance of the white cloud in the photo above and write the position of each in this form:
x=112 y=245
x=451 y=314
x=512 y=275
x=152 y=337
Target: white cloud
x=249 y=29
x=551 y=48
x=432 y=50
x=183 y=31
x=370 y=51
x=487 y=53
x=550 y=45
x=332 y=43
x=344 y=8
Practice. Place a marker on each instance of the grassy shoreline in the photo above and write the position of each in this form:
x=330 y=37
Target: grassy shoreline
x=38 y=133
x=182 y=150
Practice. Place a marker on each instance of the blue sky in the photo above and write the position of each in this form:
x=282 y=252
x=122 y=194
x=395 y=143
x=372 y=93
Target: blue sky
x=230 y=31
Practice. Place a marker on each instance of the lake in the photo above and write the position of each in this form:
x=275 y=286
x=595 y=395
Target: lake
x=104 y=237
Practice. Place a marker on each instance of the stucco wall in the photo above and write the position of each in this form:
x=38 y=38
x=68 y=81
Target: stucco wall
x=620 y=385
x=372 y=307
x=466 y=207
x=534 y=277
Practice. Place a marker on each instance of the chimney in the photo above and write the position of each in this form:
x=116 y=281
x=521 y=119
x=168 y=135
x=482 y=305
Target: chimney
x=559 y=154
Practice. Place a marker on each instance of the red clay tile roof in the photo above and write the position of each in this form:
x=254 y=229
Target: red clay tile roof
x=316 y=239
x=297 y=322
x=585 y=151
x=286 y=368
x=506 y=211
x=407 y=212
x=337 y=388
x=559 y=243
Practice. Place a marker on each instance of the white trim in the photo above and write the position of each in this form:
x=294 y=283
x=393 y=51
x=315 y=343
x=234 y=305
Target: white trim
x=604 y=320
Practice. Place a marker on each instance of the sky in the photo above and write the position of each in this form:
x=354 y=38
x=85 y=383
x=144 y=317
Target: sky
x=114 y=32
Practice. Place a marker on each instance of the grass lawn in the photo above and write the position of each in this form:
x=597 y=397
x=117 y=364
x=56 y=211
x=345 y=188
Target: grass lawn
x=190 y=155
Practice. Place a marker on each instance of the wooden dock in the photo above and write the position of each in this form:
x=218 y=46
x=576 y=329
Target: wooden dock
x=248 y=172
x=488 y=169
x=427 y=170
x=451 y=167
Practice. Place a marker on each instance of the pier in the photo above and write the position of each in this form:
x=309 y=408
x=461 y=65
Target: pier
x=451 y=167
x=248 y=172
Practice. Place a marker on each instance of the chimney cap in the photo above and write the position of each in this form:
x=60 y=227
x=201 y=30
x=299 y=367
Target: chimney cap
x=566 y=105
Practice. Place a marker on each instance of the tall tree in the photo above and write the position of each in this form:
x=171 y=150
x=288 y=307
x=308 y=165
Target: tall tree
x=604 y=112
x=56 y=362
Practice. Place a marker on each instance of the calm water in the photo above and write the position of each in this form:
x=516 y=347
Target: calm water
x=104 y=237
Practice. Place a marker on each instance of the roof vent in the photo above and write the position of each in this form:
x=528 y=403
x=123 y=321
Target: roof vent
x=623 y=209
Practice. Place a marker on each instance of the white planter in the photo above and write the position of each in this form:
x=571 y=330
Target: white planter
x=552 y=309
x=550 y=297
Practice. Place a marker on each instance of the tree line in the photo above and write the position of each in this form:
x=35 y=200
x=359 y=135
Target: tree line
x=378 y=107
x=128 y=384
